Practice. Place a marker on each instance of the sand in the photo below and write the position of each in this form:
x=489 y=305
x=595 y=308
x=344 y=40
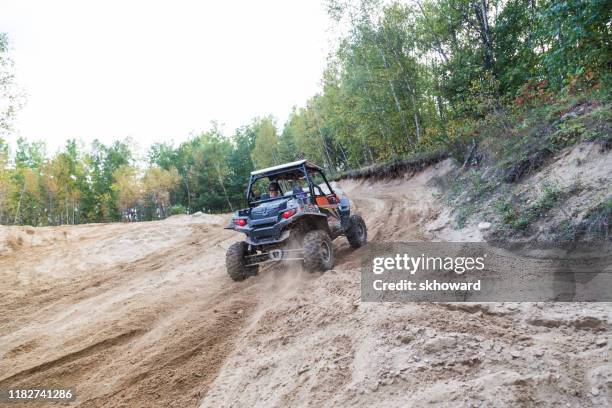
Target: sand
x=144 y=315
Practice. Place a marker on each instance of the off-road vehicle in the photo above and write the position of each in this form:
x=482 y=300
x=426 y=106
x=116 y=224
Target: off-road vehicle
x=298 y=224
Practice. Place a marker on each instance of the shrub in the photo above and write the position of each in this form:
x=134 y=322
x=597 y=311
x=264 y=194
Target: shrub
x=177 y=209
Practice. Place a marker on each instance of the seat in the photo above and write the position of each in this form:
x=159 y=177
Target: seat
x=322 y=201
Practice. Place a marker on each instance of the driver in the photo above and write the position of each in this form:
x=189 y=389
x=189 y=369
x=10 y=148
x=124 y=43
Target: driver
x=274 y=189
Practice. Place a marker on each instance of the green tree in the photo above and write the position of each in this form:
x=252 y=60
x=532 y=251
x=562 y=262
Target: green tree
x=576 y=37
x=11 y=98
x=266 y=152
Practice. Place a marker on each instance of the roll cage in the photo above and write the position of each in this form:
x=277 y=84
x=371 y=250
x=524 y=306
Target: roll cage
x=300 y=170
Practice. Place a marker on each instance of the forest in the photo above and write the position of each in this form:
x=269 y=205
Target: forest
x=406 y=79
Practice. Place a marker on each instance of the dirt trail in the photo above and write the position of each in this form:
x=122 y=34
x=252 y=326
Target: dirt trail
x=142 y=315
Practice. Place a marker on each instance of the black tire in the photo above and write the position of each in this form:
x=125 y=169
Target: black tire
x=296 y=239
x=236 y=264
x=357 y=234
x=318 y=251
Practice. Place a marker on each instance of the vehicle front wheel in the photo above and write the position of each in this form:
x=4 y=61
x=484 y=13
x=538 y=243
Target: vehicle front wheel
x=318 y=251
x=357 y=234
x=235 y=262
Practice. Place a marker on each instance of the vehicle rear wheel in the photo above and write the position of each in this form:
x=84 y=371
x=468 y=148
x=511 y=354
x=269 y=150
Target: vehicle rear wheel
x=235 y=262
x=318 y=251
x=357 y=234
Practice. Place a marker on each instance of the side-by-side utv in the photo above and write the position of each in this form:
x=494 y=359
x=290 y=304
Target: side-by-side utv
x=295 y=217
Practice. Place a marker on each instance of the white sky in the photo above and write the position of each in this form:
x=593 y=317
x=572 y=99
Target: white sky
x=160 y=70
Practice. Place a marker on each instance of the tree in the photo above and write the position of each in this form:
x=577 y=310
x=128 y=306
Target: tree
x=266 y=151
x=157 y=184
x=6 y=184
x=11 y=99
x=128 y=190
x=101 y=203
x=405 y=78
x=576 y=35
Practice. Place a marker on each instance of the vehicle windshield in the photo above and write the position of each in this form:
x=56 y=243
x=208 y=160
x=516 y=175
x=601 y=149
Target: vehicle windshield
x=272 y=188
x=292 y=182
